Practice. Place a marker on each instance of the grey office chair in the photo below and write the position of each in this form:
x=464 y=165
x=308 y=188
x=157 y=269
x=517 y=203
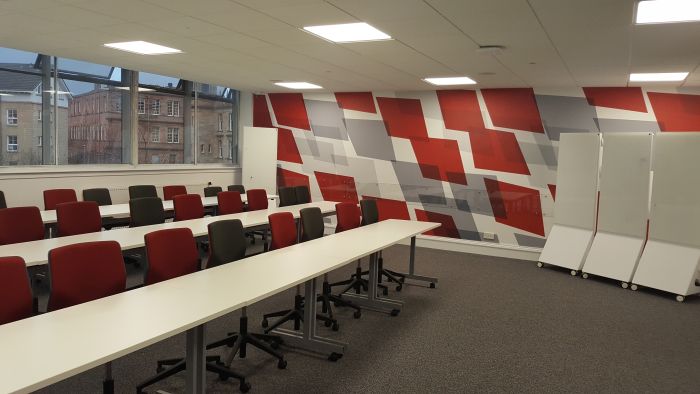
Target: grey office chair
x=138 y=191
x=303 y=194
x=145 y=211
x=212 y=191
x=102 y=197
x=236 y=188
x=288 y=196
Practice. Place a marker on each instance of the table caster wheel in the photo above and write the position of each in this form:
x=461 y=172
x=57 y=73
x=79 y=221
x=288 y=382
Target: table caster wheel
x=334 y=356
x=624 y=285
x=327 y=323
x=264 y=323
x=335 y=327
x=584 y=275
x=540 y=264
x=160 y=369
x=402 y=279
x=275 y=345
x=357 y=314
x=574 y=272
x=432 y=285
x=680 y=298
x=244 y=387
x=282 y=364
x=634 y=287
x=395 y=312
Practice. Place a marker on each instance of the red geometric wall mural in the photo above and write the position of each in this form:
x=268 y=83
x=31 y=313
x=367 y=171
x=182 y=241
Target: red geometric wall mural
x=428 y=155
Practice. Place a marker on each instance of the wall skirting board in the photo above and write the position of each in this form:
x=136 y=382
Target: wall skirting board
x=478 y=247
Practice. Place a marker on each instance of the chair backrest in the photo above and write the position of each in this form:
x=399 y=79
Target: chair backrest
x=20 y=224
x=170 y=191
x=227 y=242
x=78 y=217
x=139 y=191
x=15 y=290
x=212 y=191
x=283 y=230
x=229 y=202
x=170 y=253
x=303 y=194
x=3 y=203
x=288 y=196
x=53 y=197
x=99 y=195
x=84 y=272
x=145 y=211
x=188 y=206
x=370 y=213
x=236 y=188
x=312 y=226
x=348 y=215
x=257 y=199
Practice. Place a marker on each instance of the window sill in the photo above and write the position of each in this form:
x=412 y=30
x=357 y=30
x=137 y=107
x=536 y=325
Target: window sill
x=94 y=168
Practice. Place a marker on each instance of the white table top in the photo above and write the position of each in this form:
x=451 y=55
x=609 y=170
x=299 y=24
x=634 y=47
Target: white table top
x=117 y=210
x=47 y=348
x=36 y=252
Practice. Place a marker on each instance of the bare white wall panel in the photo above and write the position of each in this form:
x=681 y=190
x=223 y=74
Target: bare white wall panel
x=259 y=159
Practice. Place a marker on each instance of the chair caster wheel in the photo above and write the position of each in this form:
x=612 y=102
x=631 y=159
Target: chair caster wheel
x=244 y=387
x=275 y=345
x=357 y=314
x=385 y=292
x=327 y=323
x=584 y=275
x=540 y=264
x=334 y=357
x=432 y=285
x=264 y=323
x=680 y=298
x=335 y=327
x=634 y=287
x=574 y=272
x=395 y=312
x=160 y=369
x=399 y=287
x=282 y=364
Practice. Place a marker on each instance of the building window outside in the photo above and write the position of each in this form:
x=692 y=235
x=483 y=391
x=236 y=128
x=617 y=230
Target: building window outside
x=155 y=134
x=221 y=150
x=12 y=145
x=173 y=108
x=39 y=140
x=201 y=148
x=142 y=106
x=173 y=158
x=209 y=150
x=173 y=135
x=39 y=114
x=12 y=119
x=155 y=107
x=221 y=122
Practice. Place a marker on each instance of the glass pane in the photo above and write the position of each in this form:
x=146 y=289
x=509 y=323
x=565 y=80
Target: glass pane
x=84 y=68
x=162 y=81
x=161 y=134
x=215 y=131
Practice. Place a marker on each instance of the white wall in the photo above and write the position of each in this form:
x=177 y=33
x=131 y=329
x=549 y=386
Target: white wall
x=24 y=186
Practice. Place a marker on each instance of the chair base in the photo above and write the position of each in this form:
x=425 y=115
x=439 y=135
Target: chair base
x=213 y=365
x=358 y=283
x=239 y=341
x=297 y=316
x=328 y=300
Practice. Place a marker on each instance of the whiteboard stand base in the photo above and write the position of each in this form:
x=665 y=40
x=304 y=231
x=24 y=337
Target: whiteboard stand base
x=613 y=256
x=669 y=267
x=566 y=247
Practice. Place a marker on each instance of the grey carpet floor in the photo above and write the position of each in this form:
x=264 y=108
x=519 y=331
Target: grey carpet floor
x=491 y=325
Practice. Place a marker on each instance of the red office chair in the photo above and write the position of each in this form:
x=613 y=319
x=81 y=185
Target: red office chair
x=229 y=203
x=20 y=224
x=257 y=199
x=53 y=197
x=78 y=217
x=85 y=272
x=15 y=290
x=169 y=192
x=172 y=253
x=188 y=206
x=284 y=233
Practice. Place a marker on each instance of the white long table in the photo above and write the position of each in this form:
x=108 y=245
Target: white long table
x=36 y=252
x=48 y=348
x=120 y=210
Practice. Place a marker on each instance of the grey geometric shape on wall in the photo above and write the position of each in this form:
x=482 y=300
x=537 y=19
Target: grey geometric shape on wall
x=472 y=198
x=326 y=119
x=562 y=114
x=622 y=125
x=415 y=187
x=539 y=154
x=370 y=139
x=526 y=240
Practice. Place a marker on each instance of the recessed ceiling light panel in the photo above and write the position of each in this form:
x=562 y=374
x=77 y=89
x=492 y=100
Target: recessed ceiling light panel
x=142 y=48
x=657 y=77
x=298 y=85
x=348 y=32
x=450 y=81
x=668 y=11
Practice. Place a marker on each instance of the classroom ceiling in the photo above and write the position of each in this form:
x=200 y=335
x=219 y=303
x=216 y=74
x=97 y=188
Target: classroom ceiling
x=247 y=44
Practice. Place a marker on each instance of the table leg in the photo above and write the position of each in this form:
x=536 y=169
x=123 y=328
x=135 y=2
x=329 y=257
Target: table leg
x=372 y=301
x=412 y=267
x=308 y=339
x=195 y=361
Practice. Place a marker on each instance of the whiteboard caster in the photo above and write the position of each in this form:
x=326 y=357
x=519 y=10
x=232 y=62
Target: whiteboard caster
x=574 y=272
x=624 y=285
x=584 y=275
x=634 y=287
x=540 y=264
x=680 y=298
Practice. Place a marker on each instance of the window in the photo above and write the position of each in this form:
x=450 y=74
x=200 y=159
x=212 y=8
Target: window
x=201 y=149
x=12 y=119
x=155 y=107
x=12 y=145
x=155 y=134
x=221 y=122
x=173 y=158
x=39 y=114
x=39 y=140
x=209 y=151
x=142 y=106
x=221 y=150
x=173 y=108
x=173 y=135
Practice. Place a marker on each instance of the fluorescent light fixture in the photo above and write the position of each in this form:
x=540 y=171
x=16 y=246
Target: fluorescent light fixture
x=450 y=81
x=140 y=89
x=668 y=11
x=348 y=32
x=657 y=77
x=142 y=48
x=298 y=85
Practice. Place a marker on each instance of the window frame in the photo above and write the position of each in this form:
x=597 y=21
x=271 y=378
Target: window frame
x=14 y=118
x=173 y=138
x=15 y=144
